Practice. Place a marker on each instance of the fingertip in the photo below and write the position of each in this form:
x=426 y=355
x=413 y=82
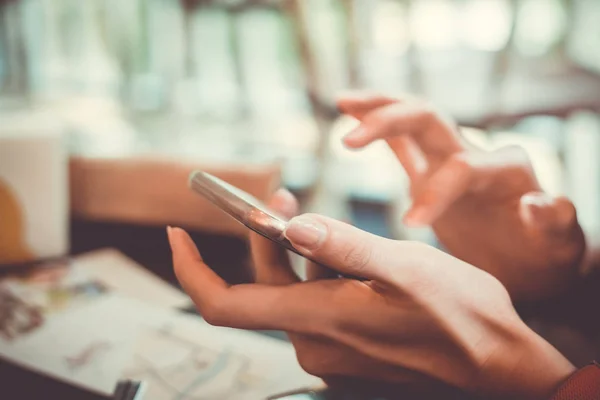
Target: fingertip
x=542 y=211
x=284 y=202
x=351 y=144
x=182 y=245
x=354 y=102
x=566 y=214
x=349 y=98
x=343 y=105
x=535 y=208
x=416 y=217
x=306 y=232
x=356 y=138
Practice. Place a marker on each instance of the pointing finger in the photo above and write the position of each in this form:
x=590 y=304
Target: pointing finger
x=249 y=306
x=357 y=104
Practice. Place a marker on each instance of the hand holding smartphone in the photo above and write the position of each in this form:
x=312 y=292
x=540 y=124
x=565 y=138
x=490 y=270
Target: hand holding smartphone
x=242 y=206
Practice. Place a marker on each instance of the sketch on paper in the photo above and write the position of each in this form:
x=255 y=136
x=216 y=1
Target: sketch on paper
x=16 y=316
x=98 y=337
x=178 y=369
x=183 y=358
x=88 y=355
x=54 y=320
x=26 y=301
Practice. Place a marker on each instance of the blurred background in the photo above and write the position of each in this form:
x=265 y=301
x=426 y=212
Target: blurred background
x=241 y=83
x=145 y=90
x=253 y=81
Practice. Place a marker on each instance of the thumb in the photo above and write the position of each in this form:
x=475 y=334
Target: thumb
x=340 y=246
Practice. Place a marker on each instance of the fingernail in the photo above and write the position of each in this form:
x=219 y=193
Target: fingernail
x=305 y=232
x=354 y=135
x=286 y=195
x=169 y=230
x=283 y=192
x=418 y=217
x=546 y=212
x=284 y=202
x=535 y=207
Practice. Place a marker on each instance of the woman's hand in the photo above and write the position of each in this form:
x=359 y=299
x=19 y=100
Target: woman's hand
x=486 y=208
x=420 y=312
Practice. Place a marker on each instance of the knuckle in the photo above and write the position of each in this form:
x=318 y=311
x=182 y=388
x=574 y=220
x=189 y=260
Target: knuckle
x=463 y=162
x=418 y=251
x=516 y=156
x=377 y=119
x=386 y=116
x=565 y=213
x=308 y=363
x=466 y=168
x=313 y=363
x=516 y=151
x=213 y=313
x=357 y=255
x=415 y=246
x=519 y=169
x=416 y=272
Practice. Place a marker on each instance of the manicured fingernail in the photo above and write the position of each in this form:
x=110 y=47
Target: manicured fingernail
x=283 y=192
x=543 y=210
x=169 y=231
x=305 y=232
x=354 y=135
x=282 y=195
x=535 y=208
x=284 y=203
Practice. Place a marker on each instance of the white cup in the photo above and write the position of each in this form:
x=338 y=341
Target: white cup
x=34 y=200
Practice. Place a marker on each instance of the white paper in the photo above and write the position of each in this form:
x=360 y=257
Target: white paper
x=61 y=323
x=181 y=357
x=86 y=346
x=125 y=276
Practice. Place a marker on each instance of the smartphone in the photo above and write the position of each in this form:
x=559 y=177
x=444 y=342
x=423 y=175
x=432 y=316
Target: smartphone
x=242 y=206
x=245 y=209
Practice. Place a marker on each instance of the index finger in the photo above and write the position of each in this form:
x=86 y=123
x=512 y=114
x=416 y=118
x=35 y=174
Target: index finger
x=300 y=307
x=358 y=104
x=417 y=120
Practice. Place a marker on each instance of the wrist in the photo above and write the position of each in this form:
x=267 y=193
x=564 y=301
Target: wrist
x=532 y=368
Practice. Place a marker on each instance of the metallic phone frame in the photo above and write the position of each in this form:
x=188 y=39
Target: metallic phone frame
x=242 y=206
